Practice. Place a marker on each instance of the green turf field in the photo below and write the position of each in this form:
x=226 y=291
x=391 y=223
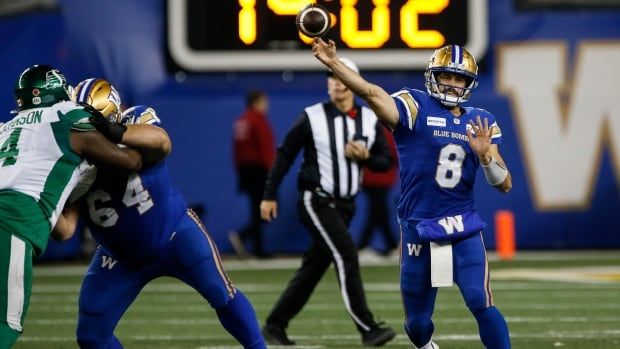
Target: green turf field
x=550 y=300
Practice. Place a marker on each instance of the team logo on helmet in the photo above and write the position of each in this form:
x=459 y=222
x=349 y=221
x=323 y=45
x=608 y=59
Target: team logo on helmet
x=40 y=86
x=54 y=78
x=101 y=95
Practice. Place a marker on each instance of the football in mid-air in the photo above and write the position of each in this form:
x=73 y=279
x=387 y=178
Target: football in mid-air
x=313 y=20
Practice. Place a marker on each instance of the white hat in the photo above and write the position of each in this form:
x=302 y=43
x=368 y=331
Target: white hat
x=349 y=63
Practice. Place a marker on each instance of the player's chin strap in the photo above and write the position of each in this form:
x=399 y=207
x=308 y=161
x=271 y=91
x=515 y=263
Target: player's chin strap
x=495 y=172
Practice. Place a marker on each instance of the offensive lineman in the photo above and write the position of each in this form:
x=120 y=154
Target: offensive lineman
x=145 y=230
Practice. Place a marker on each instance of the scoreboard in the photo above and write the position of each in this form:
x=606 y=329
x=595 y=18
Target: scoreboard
x=251 y=35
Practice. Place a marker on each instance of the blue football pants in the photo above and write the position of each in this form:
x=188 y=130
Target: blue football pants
x=471 y=275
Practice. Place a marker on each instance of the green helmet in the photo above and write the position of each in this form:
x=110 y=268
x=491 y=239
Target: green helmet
x=40 y=86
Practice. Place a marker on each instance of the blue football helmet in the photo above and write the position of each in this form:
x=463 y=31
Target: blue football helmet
x=140 y=114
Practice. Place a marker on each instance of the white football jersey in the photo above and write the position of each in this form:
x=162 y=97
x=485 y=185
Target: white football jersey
x=36 y=158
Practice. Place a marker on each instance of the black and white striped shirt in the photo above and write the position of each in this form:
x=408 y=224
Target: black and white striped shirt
x=322 y=132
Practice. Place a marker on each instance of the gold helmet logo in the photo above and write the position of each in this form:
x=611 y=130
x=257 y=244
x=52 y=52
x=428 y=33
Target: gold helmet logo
x=101 y=95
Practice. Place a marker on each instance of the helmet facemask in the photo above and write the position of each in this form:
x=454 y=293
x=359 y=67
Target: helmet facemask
x=451 y=59
x=439 y=90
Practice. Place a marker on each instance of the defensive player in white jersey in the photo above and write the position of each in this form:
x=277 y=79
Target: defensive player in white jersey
x=440 y=146
x=41 y=150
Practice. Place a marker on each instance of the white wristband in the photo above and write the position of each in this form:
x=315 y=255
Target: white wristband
x=494 y=172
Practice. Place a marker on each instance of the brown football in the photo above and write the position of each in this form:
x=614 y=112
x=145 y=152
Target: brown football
x=313 y=20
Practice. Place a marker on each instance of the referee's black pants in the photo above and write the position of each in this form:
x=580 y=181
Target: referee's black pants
x=327 y=220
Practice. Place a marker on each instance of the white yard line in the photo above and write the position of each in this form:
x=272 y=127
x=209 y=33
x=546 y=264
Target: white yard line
x=232 y=263
x=345 y=338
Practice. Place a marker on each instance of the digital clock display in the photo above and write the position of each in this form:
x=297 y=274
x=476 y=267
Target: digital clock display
x=377 y=34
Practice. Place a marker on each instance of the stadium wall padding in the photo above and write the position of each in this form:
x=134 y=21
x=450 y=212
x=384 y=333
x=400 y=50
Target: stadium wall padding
x=574 y=211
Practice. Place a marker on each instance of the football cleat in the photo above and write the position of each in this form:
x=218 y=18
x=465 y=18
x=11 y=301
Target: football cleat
x=452 y=59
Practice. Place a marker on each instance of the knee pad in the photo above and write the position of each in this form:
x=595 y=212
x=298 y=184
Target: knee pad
x=476 y=299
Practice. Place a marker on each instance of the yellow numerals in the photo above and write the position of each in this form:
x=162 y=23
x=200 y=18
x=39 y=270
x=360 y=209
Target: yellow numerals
x=350 y=34
x=287 y=7
x=410 y=31
x=380 y=28
x=247 y=21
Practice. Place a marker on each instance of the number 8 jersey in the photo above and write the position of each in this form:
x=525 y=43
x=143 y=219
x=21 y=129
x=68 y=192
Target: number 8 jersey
x=437 y=165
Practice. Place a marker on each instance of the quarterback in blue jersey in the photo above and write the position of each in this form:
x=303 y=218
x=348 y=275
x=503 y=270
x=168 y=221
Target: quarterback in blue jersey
x=440 y=145
x=144 y=230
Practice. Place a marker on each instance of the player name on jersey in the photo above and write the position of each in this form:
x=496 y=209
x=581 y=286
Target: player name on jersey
x=31 y=118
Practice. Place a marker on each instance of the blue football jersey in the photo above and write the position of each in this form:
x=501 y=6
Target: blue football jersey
x=437 y=165
x=133 y=216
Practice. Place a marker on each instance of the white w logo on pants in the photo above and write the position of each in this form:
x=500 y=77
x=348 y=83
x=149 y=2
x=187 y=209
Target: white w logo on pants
x=450 y=223
x=107 y=261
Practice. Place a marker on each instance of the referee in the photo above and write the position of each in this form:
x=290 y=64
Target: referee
x=338 y=138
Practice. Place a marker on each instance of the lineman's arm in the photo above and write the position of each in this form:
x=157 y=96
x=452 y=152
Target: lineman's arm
x=98 y=150
x=377 y=98
x=66 y=223
x=151 y=141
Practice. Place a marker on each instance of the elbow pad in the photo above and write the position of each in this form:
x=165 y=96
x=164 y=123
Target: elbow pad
x=495 y=172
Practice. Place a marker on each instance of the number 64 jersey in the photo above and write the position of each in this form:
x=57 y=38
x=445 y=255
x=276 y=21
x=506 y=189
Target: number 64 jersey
x=437 y=165
x=133 y=216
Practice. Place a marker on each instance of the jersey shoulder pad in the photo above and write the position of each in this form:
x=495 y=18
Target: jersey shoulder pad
x=140 y=114
x=75 y=115
x=482 y=112
x=410 y=103
x=496 y=131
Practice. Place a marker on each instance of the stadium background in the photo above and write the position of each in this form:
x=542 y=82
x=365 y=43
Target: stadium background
x=550 y=76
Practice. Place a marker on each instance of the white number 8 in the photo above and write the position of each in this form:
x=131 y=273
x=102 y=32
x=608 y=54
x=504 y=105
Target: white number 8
x=449 y=168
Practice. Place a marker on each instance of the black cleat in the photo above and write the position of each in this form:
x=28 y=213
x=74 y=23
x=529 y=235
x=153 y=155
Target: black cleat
x=377 y=336
x=276 y=335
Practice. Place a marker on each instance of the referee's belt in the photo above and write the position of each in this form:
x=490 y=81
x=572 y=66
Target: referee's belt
x=322 y=193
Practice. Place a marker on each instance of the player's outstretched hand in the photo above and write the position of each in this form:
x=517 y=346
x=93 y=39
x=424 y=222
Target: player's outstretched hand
x=269 y=210
x=479 y=136
x=324 y=51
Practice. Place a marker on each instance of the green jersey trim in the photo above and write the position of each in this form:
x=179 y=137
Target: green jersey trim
x=62 y=172
x=21 y=216
x=78 y=118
